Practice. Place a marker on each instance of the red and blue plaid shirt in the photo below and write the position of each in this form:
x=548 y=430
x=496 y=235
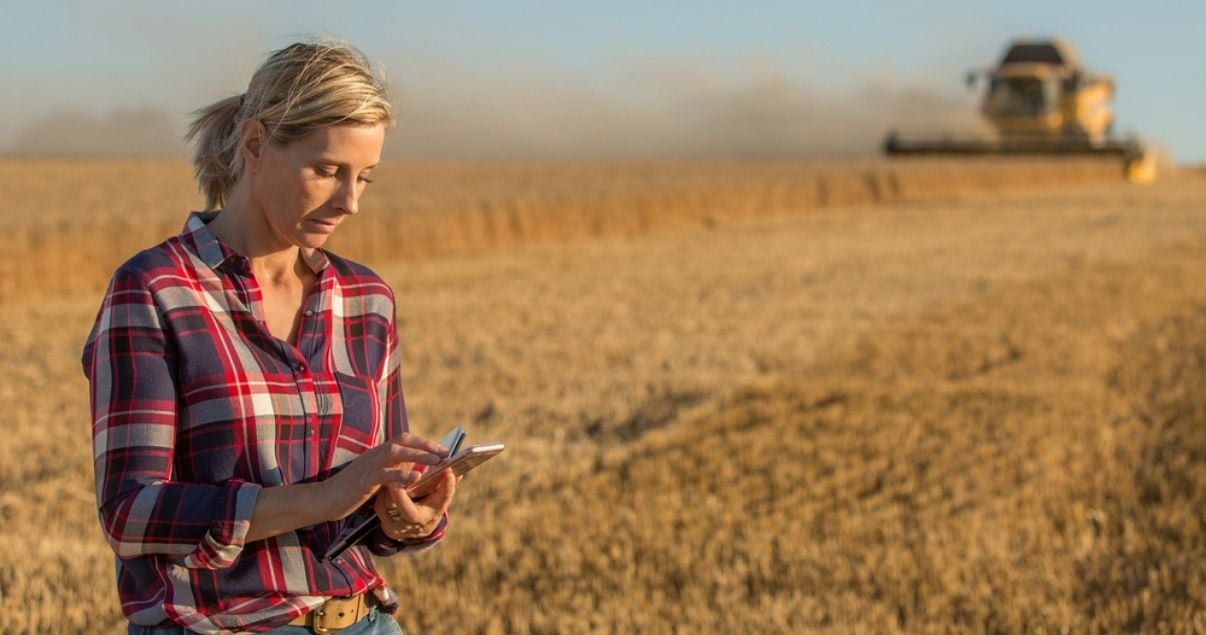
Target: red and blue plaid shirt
x=196 y=406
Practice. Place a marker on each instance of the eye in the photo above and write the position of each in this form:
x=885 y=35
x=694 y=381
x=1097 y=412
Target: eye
x=326 y=171
x=365 y=179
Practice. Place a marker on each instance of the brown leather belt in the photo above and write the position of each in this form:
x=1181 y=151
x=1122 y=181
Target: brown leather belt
x=336 y=614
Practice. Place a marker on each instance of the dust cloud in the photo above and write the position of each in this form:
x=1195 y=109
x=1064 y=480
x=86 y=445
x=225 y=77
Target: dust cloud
x=767 y=115
x=143 y=132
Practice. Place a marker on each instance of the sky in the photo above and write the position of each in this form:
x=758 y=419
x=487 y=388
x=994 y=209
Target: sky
x=609 y=79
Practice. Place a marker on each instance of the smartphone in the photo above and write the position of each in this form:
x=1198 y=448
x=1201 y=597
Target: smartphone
x=459 y=463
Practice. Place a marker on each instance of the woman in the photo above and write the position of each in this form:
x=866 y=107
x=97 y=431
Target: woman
x=246 y=397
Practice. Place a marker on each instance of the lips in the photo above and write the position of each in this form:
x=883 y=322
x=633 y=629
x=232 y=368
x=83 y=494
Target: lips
x=323 y=225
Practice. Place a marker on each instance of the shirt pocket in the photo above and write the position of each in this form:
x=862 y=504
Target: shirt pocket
x=360 y=425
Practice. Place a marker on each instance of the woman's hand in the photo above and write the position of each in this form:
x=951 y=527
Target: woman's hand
x=284 y=508
x=389 y=463
x=404 y=518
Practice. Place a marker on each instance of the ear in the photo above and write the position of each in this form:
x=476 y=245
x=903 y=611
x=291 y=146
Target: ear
x=253 y=141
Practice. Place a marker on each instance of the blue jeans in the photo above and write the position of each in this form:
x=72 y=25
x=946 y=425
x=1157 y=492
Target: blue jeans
x=376 y=623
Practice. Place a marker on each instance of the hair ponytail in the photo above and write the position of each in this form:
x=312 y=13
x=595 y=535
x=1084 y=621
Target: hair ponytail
x=215 y=132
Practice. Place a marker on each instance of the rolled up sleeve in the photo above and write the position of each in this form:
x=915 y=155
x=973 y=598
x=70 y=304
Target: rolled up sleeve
x=130 y=363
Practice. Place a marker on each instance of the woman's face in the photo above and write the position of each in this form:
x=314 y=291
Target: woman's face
x=307 y=188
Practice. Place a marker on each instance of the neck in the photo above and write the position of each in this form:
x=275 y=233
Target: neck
x=244 y=229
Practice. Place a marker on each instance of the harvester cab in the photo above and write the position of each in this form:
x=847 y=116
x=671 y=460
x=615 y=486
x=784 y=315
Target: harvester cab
x=1041 y=100
x=1041 y=91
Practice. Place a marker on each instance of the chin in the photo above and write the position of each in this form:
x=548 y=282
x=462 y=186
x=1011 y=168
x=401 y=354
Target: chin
x=312 y=241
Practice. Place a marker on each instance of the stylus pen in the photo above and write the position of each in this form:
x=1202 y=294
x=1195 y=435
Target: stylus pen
x=372 y=522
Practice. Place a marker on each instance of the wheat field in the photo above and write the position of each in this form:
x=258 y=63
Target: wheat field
x=822 y=396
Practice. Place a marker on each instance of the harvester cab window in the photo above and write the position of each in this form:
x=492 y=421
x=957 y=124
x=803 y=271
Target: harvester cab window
x=1021 y=96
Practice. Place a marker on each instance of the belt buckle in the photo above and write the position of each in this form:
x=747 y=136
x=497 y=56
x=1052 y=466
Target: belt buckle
x=337 y=614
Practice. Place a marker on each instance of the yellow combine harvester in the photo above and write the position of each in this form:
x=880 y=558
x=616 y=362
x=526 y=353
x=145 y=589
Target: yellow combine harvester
x=1041 y=100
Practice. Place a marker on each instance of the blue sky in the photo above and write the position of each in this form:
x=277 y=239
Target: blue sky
x=566 y=78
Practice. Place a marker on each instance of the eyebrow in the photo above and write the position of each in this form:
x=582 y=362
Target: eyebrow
x=331 y=161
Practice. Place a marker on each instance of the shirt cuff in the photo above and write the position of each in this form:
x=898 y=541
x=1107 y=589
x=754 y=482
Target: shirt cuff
x=227 y=534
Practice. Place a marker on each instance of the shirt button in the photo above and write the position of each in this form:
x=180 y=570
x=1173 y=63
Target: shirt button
x=309 y=312
x=300 y=366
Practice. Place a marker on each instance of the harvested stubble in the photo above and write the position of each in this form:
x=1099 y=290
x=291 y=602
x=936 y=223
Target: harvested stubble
x=976 y=415
x=1013 y=442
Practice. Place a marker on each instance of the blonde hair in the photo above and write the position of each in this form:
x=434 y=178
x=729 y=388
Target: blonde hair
x=298 y=89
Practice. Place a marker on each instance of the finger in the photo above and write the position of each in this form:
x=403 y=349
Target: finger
x=396 y=453
x=395 y=491
x=414 y=441
x=398 y=526
x=408 y=511
x=441 y=498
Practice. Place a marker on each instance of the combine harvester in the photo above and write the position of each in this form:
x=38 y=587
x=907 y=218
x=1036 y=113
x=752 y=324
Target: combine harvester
x=1040 y=100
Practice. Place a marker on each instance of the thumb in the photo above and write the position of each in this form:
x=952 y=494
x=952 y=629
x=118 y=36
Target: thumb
x=395 y=490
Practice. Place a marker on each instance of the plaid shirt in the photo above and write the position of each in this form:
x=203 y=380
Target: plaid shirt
x=196 y=406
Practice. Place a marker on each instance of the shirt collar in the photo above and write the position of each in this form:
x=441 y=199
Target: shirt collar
x=215 y=253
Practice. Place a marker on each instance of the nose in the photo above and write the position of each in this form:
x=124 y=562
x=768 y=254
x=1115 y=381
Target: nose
x=347 y=197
